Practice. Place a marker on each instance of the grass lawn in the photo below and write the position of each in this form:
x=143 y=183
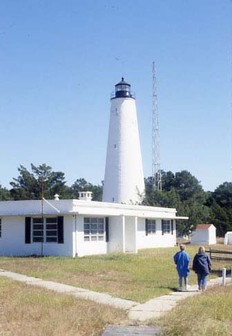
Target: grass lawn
x=30 y=311
x=208 y=314
x=138 y=277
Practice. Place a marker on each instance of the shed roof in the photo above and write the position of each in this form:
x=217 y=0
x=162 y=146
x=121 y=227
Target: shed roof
x=203 y=226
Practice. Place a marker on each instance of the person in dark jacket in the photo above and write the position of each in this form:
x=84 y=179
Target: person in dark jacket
x=202 y=267
x=182 y=260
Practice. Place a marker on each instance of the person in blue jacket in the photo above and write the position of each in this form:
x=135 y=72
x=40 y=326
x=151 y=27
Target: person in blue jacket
x=182 y=260
x=202 y=267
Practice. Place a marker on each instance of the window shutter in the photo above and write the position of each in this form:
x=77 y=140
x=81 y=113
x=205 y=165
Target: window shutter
x=162 y=226
x=172 y=226
x=146 y=226
x=27 y=230
x=107 y=228
x=60 y=222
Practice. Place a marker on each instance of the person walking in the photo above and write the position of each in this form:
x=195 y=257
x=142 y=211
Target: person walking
x=182 y=260
x=202 y=267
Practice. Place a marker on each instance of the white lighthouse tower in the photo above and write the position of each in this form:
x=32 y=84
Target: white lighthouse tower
x=124 y=180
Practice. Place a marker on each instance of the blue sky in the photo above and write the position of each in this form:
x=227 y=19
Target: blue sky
x=60 y=60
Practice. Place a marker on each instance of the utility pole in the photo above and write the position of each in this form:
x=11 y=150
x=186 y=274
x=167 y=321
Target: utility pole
x=156 y=172
x=42 y=216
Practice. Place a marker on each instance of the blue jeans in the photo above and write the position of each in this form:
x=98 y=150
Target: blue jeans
x=181 y=281
x=202 y=280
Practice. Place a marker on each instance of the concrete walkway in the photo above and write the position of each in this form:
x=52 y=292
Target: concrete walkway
x=71 y=290
x=130 y=331
x=137 y=312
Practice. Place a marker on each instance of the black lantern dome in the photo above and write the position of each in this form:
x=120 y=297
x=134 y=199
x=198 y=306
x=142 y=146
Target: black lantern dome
x=123 y=90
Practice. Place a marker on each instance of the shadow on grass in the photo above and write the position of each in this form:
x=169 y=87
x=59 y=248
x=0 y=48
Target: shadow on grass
x=172 y=289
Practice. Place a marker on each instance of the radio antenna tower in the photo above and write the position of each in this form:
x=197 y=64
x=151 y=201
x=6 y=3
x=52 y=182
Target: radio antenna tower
x=156 y=172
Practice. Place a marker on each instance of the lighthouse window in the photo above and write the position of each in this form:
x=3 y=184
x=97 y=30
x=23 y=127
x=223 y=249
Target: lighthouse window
x=94 y=229
x=122 y=87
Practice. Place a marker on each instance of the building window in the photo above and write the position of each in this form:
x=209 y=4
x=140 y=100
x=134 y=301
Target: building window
x=51 y=230
x=150 y=226
x=166 y=226
x=0 y=227
x=37 y=230
x=94 y=229
x=44 y=230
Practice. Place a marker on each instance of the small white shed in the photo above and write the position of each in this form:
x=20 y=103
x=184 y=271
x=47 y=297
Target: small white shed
x=205 y=234
x=228 y=238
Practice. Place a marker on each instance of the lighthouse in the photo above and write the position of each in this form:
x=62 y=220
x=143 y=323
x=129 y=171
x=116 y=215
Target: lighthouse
x=124 y=179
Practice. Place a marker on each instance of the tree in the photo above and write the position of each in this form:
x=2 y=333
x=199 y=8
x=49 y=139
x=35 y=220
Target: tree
x=220 y=218
x=183 y=192
x=168 y=180
x=4 y=194
x=40 y=182
x=220 y=203
x=223 y=195
x=168 y=199
x=188 y=186
x=196 y=211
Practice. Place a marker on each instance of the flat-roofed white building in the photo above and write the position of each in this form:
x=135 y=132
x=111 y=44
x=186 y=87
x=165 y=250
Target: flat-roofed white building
x=82 y=227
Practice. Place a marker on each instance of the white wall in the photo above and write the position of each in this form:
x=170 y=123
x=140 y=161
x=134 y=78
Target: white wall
x=12 y=242
x=212 y=235
x=200 y=237
x=126 y=233
x=130 y=234
x=116 y=234
x=156 y=239
x=86 y=247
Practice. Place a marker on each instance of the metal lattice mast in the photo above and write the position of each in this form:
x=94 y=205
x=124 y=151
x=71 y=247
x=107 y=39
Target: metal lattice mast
x=156 y=172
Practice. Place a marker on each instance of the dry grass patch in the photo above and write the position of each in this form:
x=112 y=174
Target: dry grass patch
x=207 y=314
x=31 y=311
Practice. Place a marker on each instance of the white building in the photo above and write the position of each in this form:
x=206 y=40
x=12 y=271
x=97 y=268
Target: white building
x=82 y=227
x=205 y=234
x=124 y=179
x=228 y=238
